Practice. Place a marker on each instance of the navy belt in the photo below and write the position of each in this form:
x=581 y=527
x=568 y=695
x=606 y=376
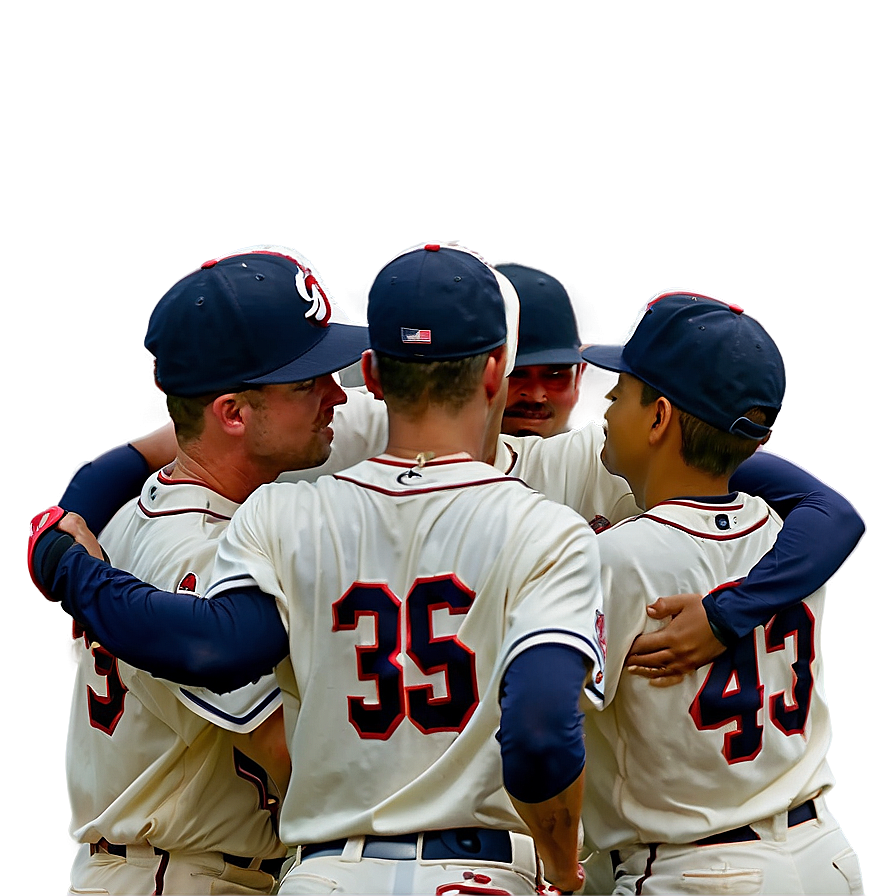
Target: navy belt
x=269 y=866
x=804 y=812
x=484 y=844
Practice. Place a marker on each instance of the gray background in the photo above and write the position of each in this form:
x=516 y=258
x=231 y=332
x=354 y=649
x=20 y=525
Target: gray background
x=742 y=151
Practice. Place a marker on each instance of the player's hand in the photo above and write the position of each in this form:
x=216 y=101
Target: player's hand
x=560 y=884
x=74 y=525
x=683 y=645
x=53 y=532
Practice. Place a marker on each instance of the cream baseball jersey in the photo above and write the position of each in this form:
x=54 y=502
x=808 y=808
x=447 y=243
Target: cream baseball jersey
x=406 y=590
x=565 y=468
x=740 y=739
x=146 y=758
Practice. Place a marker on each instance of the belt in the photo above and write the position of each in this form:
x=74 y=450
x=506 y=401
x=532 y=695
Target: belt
x=802 y=813
x=269 y=866
x=484 y=844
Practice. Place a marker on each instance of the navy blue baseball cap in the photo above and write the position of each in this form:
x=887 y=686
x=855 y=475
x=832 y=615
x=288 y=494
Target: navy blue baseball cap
x=437 y=302
x=256 y=317
x=548 y=330
x=708 y=358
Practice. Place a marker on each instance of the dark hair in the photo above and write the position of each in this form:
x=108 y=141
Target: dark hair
x=410 y=386
x=707 y=448
x=188 y=414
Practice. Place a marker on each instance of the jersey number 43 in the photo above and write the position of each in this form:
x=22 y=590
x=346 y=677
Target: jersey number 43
x=733 y=691
x=379 y=662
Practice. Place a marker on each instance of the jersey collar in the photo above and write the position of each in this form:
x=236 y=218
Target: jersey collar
x=162 y=496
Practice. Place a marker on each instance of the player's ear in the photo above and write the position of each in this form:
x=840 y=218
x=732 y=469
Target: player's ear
x=662 y=410
x=227 y=412
x=371 y=374
x=493 y=375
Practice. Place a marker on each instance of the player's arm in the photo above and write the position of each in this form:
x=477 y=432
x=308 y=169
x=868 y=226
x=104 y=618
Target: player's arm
x=221 y=643
x=104 y=484
x=266 y=745
x=543 y=753
x=821 y=529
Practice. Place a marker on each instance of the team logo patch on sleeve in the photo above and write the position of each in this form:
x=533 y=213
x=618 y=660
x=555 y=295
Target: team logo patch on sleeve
x=599 y=523
x=189 y=584
x=422 y=336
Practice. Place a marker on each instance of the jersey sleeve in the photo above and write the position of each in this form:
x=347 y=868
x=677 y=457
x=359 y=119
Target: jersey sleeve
x=821 y=529
x=248 y=553
x=626 y=594
x=241 y=710
x=559 y=601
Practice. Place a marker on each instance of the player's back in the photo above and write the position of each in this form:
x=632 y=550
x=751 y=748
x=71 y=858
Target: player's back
x=406 y=590
x=740 y=739
x=141 y=749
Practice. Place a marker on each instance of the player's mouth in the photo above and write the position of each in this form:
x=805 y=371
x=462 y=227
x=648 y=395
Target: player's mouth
x=529 y=412
x=325 y=425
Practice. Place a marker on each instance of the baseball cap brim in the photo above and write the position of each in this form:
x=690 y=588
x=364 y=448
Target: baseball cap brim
x=609 y=357
x=549 y=356
x=339 y=346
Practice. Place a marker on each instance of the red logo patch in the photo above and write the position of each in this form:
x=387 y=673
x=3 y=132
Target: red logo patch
x=189 y=583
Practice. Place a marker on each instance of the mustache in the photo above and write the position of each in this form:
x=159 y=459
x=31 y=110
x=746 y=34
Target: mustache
x=523 y=407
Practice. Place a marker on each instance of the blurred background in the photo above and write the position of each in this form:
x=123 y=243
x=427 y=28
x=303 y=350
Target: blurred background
x=743 y=152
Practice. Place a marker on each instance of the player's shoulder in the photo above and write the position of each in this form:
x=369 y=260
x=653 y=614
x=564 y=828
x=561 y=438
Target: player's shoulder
x=120 y=521
x=585 y=442
x=281 y=494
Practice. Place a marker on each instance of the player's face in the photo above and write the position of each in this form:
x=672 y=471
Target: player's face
x=628 y=424
x=540 y=399
x=288 y=426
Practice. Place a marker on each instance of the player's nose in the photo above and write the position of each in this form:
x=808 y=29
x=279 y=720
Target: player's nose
x=334 y=393
x=534 y=391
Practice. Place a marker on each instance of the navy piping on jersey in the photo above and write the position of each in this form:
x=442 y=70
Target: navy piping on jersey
x=167 y=480
x=155 y=514
x=514 y=457
x=240 y=580
x=592 y=647
x=227 y=717
x=704 y=535
x=704 y=502
x=432 y=488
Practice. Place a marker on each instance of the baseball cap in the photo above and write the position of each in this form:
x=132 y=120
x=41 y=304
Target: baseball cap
x=548 y=331
x=256 y=317
x=708 y=358
x=441 y=301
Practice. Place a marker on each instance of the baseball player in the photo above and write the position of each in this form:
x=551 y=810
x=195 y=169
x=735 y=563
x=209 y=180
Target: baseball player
x=169 y=785
x=423 y=592
x=720 y=777
x=821 y=527
x=544 y=385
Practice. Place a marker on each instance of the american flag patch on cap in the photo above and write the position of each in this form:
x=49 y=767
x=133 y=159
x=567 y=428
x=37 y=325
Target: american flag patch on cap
x=409 y=335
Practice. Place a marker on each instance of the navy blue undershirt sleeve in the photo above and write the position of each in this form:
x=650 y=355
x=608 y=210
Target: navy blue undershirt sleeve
x=102 y=486
x=821 y=530
x=542 y=744
x=220 y=643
